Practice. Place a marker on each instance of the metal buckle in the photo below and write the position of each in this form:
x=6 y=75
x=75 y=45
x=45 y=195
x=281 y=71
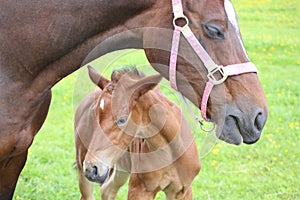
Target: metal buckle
x=214 y=80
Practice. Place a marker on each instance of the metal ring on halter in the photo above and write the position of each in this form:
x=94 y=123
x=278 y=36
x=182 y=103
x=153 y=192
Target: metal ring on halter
x=207 y=130
x=181 y=17
x=195 y=116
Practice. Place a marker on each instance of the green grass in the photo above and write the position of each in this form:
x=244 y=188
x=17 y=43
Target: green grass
x=269 y=169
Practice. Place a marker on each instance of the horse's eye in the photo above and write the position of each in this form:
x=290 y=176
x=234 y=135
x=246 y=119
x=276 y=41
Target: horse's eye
x=122 y=121
x=214 y=31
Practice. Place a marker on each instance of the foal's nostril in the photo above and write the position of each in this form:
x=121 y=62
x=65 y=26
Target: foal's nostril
x=91 y=172
x=94 y=171
x=259 y=121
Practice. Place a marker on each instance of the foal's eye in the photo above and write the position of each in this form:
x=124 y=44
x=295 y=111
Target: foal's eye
x=214 y=31
x=122 y=121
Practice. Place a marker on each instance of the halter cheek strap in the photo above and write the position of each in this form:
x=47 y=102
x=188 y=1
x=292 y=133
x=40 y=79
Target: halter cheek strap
x=210 y=65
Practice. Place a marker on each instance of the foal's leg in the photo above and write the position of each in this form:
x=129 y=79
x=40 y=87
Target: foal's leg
x=86 y=187
x=188 y=195
x=182 y=195
x=110 y=188
x=10 y=170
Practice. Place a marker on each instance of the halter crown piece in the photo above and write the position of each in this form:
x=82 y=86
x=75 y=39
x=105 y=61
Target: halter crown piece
x=210 y=65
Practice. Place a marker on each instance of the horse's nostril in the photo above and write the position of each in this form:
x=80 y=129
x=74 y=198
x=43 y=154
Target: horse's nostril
x=259 y=121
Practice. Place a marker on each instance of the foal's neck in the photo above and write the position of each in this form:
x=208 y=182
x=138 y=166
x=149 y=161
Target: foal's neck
x=166 y=125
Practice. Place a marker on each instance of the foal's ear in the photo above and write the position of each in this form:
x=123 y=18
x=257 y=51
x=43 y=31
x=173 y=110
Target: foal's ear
x=144 y=85
x=96 y=78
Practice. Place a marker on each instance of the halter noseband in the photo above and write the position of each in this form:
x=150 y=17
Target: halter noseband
x=210 y=65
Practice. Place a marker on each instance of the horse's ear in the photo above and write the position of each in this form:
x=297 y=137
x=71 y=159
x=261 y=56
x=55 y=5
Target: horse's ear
x=96 y=78
x=144 y=85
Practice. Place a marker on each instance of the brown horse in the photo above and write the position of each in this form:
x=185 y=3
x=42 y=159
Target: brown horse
x=41 y=43
x=147 y=130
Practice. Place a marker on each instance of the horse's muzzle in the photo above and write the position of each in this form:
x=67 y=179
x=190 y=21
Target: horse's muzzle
x=240 y=126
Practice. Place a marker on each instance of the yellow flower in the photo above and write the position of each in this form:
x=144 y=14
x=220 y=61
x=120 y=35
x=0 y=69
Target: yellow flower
x=292 y=125
x=286 y=150
x=213 y=163
x=275 y=158
x=215 y=151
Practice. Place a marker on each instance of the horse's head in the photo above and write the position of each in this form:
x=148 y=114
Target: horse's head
x=238 y=105
x=118 y=111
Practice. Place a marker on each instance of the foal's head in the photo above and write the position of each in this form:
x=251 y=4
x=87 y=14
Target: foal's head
x=121 y=108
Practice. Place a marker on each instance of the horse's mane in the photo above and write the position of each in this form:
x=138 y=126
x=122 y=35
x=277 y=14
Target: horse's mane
x=132 y=71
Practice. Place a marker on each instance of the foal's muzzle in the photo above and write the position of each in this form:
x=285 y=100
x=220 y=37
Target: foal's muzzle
x=95 y=172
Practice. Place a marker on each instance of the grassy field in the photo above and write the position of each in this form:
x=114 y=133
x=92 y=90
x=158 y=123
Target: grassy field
x=269 y=169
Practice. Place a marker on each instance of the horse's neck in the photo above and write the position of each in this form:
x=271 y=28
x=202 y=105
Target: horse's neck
x=49 y=41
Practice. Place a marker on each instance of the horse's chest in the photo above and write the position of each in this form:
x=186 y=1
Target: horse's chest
x=20 y=122
x=14 y=144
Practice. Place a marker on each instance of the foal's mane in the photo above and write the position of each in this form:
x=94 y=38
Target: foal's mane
x=132 y=71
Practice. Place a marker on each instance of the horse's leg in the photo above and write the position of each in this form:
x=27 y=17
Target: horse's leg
x=110 y=188
x=86 y=187
x=137 y=189
x=12 y=165
x=10 y=170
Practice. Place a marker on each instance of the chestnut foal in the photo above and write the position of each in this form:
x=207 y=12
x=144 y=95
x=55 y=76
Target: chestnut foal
x=127 y=128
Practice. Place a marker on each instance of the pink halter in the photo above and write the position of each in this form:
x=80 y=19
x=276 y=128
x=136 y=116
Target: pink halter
x=212 y=68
